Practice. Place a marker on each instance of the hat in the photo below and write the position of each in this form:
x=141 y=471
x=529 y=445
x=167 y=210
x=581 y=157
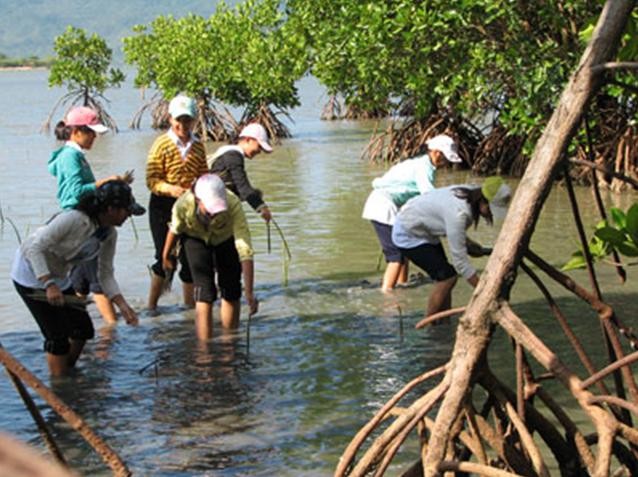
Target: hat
x=182 y=105
x=257 y=132
x=84 y=116
x=117 y=193
x=498 y=194
x=446 y=145
x=211 y=191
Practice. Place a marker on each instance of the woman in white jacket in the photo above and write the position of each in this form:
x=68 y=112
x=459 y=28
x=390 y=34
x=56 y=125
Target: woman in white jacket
x=400 y=183
x=42 y=264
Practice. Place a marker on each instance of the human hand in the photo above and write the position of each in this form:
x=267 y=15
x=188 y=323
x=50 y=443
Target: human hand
x=54 y=295
x=129 y=315
x=168 y=263
x=253 y=304
x=176 y=191
x=128 y=176
x=265 y=214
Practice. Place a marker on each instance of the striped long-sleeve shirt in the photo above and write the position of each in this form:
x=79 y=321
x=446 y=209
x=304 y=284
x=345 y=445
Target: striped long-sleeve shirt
x=166 y=167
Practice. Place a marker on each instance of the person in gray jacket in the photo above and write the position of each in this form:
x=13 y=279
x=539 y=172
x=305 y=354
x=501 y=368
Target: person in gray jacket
x=447 y=212
x=42 y=265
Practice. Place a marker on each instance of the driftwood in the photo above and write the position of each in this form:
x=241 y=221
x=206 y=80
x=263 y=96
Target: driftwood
x=501 y=437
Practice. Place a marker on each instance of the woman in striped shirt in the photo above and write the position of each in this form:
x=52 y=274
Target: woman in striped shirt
x=176 y=159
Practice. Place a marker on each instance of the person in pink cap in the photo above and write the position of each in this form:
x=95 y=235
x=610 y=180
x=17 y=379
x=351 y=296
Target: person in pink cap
x=75 y=178
x=206 y=218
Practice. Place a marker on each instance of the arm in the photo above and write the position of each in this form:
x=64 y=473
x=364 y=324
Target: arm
x=235 y=165
x=155 y=173
x=76 y=176
x=55 y=297
x=105 y=270
x=457 y=240
x=248 y=274
x=127 y=312
x=167 y=262
x=243 y=244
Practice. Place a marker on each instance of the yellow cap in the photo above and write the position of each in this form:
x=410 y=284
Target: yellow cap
x=490 y=187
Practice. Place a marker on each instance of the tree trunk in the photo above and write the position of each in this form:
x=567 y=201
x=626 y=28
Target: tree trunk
x=475 y=326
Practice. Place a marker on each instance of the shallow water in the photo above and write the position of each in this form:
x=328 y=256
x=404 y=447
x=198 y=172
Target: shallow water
x=286 y=394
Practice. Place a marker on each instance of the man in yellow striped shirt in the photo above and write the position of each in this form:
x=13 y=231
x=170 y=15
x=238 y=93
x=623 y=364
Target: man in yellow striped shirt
x=176 y=159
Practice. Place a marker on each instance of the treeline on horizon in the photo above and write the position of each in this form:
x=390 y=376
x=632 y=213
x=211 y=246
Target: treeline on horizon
x=487 y=72
x=28 y=61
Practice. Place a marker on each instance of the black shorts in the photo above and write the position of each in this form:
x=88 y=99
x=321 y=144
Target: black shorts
x=390 y=251
x=210 y=260
x=58 y=324
x=431 y=258
x=159 y=215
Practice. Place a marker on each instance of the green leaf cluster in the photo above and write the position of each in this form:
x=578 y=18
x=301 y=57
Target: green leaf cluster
x=620 y=234
x=498 y=59
x=83 y=63
x=243 y=56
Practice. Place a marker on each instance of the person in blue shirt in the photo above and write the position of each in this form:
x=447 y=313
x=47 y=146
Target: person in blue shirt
x=400 y=183
x=75 y=179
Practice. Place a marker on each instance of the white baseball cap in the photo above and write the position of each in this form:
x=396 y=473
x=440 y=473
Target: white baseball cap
x=257 y=132
x=210 y=190
x=182 y=105
x=446 y=145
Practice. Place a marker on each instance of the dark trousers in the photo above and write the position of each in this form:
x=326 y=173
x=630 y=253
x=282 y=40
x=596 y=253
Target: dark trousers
x=58 y=324
x=159 y=216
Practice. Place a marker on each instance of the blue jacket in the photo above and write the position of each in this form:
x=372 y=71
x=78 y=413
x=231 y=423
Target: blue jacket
x=73 y=173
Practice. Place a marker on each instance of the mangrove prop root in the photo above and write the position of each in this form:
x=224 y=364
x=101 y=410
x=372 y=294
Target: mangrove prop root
x=488 y=308
x=349 y=454
x=43 y=429
x=107 y=454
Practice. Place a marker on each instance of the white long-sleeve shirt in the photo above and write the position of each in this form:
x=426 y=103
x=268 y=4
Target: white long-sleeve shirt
x=68 y=239
x=435 y=214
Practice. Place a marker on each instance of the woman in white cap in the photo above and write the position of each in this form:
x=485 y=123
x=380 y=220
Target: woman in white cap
x=207 y=219
x=447 y=212
x=228 y=163
x=75 y=178
x=176 y=159
x=400 y=183
x=42 y=264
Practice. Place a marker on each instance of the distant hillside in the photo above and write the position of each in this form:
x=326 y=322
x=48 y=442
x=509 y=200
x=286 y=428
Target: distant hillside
x=29 y=27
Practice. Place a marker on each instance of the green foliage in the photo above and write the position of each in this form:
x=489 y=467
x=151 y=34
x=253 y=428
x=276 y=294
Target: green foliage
x=621 y=235
x=244 y=56
x=83 y=62
x=478 y=58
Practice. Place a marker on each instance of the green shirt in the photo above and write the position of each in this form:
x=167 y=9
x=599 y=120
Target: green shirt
x=231 y=222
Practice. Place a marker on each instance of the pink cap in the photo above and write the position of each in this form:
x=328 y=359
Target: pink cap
x=210 y=190
x=257 y=132
x=84 y=116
